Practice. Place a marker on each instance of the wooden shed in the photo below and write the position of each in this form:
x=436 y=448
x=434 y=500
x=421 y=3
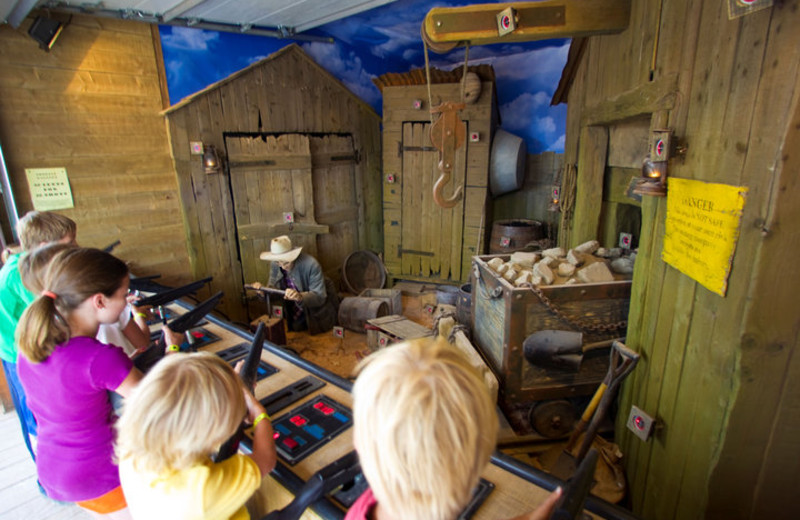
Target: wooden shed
x=423 y=241
x=300 y=156
x=720 y=374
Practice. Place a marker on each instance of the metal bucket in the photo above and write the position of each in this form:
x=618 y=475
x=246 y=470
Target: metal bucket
x=506 y=163
x=355 y=311
x=514 y=235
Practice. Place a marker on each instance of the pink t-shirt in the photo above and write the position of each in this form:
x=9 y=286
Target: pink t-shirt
x=362 y=506
x=67 y=393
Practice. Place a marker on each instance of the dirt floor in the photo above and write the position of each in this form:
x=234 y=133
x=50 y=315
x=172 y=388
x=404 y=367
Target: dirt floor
x=341 y=355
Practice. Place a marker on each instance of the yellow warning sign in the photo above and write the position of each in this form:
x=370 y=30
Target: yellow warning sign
x=702 y=229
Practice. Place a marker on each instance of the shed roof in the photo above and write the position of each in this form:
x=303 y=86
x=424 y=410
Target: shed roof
x=418 y=76
x=292 y=48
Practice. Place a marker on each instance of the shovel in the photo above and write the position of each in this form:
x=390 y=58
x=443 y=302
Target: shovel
x=562 y=349
x=621 y=363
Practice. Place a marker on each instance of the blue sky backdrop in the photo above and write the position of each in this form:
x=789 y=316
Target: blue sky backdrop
x=381 y=40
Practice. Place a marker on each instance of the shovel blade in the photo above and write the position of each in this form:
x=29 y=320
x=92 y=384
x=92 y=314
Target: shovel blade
x=554 y=348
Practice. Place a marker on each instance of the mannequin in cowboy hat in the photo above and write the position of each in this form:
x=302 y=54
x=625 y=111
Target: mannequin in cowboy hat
x=311 y=299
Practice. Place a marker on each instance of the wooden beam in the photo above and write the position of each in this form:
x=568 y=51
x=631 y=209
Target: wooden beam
x=266 y=231
x=592 y=152
x=646 y=99
x=180 y=8
x=547 y=19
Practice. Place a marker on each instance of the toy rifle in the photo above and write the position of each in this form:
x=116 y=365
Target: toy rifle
x=328 y=479
x=110 y=247
x=144 y=283
x=170 y=295
x=180 y=324
x=570 y=505
x=249 y=374
x=268 y=290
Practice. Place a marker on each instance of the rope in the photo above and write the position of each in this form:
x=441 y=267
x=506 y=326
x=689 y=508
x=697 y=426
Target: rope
x=464 y=72
x=428 y=78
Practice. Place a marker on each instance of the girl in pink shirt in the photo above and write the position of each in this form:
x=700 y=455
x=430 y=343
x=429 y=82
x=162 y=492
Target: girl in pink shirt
x=67 y=373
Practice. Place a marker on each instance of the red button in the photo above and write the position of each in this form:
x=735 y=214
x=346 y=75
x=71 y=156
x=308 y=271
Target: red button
x=319 y=406
x=298 y=420
x=290 y=443
x=327 y=410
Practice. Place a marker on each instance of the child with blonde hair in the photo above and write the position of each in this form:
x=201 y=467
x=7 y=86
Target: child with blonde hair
x=187 y=406
x=424 y=427
x=67 y=374
x=34 y=229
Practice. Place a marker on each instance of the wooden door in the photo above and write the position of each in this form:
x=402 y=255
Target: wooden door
x=270 y=178
x=338 y=202
x=431 y=236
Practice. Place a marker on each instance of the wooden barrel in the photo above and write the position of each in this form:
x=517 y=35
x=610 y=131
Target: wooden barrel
x=514 y=235
x=464 y=306
x=355 y=311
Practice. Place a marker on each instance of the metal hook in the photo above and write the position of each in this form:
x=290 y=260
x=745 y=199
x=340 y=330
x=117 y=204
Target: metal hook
x=441 y=182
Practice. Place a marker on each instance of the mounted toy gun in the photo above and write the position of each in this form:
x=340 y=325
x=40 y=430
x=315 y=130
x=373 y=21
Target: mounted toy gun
x=327 y=480
x=181 y=325
x=249 y=375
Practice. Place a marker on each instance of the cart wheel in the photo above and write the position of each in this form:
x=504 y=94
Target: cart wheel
x=553 y=419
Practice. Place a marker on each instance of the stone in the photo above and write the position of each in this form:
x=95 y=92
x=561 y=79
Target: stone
x=502 y=269
x=588 y=247
x=524 y=259
x=597 y=272
x=622 y=265
x=494 y=263
x=602 y=252
x=543 y=270
x=555 y=252
x=615 y=252
x=575 y=258
x=523 y=278
x=571 y=281
x=566 y=269
x=510 y=274
x=536 y=280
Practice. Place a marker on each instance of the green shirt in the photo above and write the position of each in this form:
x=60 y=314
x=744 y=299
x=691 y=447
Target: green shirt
x=14 y=299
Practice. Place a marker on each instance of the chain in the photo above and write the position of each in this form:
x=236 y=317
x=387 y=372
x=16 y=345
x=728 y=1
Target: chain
x=584 y=327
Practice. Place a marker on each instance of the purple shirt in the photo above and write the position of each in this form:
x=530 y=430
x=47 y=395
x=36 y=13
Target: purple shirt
x=67 y=393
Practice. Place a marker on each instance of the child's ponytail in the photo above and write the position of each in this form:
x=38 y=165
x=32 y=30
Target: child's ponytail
x=40 y=329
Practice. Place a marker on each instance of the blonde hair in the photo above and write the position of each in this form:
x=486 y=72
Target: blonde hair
x=39 y=227
x=424 y=427
x=33 y=265
x=72 y=275
x=180 y=413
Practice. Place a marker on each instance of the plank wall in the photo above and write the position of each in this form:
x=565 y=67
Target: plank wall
x=92 y=105
x=720 y=374
x=284 y=93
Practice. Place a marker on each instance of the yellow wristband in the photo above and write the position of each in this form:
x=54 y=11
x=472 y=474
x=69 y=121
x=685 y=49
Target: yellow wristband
x=173 y=348
x=261 y=417
x=141 y=315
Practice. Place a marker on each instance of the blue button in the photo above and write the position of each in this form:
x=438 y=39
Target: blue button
x=283 y=429
x=341 y=417
x=301 y=441
x=315 y=431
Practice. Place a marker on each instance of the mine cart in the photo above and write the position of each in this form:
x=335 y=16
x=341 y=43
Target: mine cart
x=504 y=315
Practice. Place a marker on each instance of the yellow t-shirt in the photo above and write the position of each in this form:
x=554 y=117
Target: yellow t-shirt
x=207 y=491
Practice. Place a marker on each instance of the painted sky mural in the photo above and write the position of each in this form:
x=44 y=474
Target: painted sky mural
x=381 y=40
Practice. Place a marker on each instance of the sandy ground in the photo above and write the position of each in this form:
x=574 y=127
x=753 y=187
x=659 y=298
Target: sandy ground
x=341 y=355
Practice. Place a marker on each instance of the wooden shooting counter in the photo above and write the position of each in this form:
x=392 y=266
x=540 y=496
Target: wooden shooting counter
x=518 y=488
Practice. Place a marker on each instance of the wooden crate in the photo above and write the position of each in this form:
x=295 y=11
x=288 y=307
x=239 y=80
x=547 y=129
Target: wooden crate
x=504 y=315
x=393 y=297
x=385 y=330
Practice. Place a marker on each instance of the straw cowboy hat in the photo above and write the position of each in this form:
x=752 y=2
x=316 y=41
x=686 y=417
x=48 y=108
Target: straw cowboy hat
x=280 y=250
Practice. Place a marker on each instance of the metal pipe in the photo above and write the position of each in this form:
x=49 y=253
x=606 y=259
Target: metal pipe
x=8 y=197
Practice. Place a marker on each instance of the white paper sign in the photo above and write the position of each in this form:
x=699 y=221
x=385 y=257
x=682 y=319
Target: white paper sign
x=49 y=188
